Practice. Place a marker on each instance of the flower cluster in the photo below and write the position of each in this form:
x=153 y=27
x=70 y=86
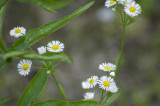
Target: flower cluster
x=106 y=83
x=54 y=46
x=130 y=6
x=24 y=66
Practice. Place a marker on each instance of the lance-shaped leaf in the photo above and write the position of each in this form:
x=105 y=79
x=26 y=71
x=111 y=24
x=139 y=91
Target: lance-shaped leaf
x=49 y=5
x=47 y=56
x=111 y=99
x=132 y=20
x=3 y=2
x=66 y=103
x=12 y=54
x=34 y=88
x=35 y=35
x=2 y=10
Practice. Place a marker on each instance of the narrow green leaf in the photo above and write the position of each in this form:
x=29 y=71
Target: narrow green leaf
x=132 y=20
x=66 y=103
x=12 y=54
x=47 y=56
x=3 y=2
x=2 y=10
x=4 y=100
x=35 y=35
x=34 y=88
x=111 y=99
x=49 y=5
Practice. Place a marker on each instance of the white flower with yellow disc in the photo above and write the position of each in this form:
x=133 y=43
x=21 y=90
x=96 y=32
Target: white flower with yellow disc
x=108 y=84
x=92 y=81
x=18 y=31
x=132 y=9
x=24 y=67
x=107 y=67
x=55 y=46
x=110 y=3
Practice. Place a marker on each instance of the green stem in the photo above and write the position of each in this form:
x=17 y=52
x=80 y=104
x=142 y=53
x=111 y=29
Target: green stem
x=39 y=67
x=102 y=93
x=31 y=50
x=120 y=13
x=105 y=96
x=124 y=23
x=122 y=45
x=59 y=88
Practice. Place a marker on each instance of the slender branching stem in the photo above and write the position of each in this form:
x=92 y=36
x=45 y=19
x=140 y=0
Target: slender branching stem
x=124 y=24
x=58 y=85
x=122 y=46
x=102 y=93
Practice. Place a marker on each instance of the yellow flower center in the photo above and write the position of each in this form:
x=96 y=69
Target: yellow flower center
x=91 y=81
x=111 y=2
x=107 y=68
x=55 y=47
x=18 y=31
x=106 y=83
x=25 y=66
x=132 y=9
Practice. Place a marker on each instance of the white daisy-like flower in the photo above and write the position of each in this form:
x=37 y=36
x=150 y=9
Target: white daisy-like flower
x=18 y=31
x=107 y=67
x=85 y=85
x=55 y=46
x=88 y=95
x=108 y=84
x=41 y=50
x=132 y=9
x=92 y=81
x=24 y=67
x=110 y=3
x=112 y=74
x=124 y=2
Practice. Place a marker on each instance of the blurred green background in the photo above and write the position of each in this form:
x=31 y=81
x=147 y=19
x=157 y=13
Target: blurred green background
x=94 y=37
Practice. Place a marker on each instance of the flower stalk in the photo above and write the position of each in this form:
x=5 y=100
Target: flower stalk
x=59 y=87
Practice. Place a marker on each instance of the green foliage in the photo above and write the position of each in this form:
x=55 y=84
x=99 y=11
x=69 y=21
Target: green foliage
x=132 y=20
x=111 y=99
x=59 y=87
x=66 y=103
x=62 y=91
x=34 y=88
x=35 y=35
x=3 y=2
x=12 y=54
x=2 y=9
x=4 y=100
x=47 y=57
x=49 y=5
